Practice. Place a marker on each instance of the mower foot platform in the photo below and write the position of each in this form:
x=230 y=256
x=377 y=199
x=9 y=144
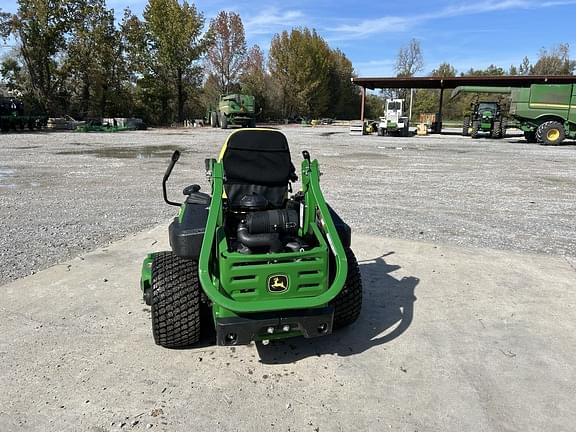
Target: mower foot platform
x=262 y=326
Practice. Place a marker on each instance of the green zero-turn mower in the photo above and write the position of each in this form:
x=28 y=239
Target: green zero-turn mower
x=251 y=260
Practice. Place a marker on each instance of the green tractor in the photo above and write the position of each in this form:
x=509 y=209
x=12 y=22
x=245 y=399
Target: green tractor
x=485 y=117
x=250 y=260
x=234 y=109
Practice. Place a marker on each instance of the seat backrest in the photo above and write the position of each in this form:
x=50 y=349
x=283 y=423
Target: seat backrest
x=257 y=161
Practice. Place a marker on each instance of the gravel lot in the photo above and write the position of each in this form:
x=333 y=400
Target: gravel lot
x=65 y=193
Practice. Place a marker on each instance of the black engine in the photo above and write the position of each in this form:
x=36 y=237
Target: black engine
x=283 y=221
x=260 y=229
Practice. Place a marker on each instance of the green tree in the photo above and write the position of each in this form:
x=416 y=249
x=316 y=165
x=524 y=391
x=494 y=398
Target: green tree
x=444 y=70
x=344 y=95
x=227 y=52
x=94 y=59
x=280 y=61
x=41 y=28
x=374 y=106
x=427 y=101
x=164 y=49
x=491 y=70
x=299 y=64
x=255 y=81
x=11 y=72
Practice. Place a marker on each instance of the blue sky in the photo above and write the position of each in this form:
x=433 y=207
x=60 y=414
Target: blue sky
x=464 y=33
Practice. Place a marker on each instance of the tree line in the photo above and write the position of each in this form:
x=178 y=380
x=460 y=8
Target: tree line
x=170 y=64
x=75 y=58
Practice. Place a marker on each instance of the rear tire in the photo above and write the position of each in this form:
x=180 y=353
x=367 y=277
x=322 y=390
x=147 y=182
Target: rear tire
x=175 y=301
x=475 y=129
x=223 y=121
x=213 y=120
x=496 y=131
x=348 y=302
x=550 y=133
x=466 y=126
x=504 y=127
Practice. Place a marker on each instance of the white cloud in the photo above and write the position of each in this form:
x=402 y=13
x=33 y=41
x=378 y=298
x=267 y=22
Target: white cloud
x=271 y=20
x=386 y=24
x=394 y=24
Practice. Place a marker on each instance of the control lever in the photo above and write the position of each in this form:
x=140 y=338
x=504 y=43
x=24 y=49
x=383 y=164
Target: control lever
x=175 y=157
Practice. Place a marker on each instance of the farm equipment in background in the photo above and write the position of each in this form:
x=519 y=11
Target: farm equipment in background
x=12 y=116
x=394 y=122
x=233 y=109
x=485 y=117
x=112 y=124
x=546 y=113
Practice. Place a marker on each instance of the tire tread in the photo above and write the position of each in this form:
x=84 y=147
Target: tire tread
x=175 y=301
x=348 y=303
x=544 y=127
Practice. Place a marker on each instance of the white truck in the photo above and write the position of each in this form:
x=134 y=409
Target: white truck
x=394 y=122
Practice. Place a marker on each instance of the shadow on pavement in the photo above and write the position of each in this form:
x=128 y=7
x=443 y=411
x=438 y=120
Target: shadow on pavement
x=567 y=143
x=387 y=312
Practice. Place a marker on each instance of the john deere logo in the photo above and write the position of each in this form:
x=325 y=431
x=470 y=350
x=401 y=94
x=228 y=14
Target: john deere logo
x=277 y=283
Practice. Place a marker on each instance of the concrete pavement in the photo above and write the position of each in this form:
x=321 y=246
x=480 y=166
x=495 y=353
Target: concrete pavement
x=450 y=339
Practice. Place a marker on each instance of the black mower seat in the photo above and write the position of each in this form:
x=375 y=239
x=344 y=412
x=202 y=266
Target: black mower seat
x=257 y=161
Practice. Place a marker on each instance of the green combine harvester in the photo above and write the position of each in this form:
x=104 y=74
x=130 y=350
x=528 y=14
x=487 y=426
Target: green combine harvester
x=251 y=260
x=234 y=109
x=546 y=113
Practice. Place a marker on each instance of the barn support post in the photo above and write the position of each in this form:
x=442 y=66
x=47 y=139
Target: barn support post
x=439 y=119
x=363 y=92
